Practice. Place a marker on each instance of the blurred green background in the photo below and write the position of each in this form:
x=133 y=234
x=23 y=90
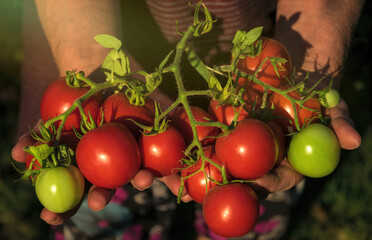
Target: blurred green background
x=336 y=207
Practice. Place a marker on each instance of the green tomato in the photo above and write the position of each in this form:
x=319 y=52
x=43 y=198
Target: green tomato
x=60 y=189
x=314 y=151
x=331 y=98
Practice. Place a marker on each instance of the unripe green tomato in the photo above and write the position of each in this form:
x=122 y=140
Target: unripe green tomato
x=331 y=98
x=314 y=151
x=60 y=189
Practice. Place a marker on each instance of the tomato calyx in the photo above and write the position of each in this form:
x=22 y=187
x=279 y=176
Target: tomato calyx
x=246 y=44
x=44 y=134
x=160 y=124
x=45 y=157
x=72 y=79
x=87 y=125
x=201 y=161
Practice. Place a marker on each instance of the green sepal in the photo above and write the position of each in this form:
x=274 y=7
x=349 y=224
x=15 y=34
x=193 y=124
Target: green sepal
x=246 y=44
x=73 y=81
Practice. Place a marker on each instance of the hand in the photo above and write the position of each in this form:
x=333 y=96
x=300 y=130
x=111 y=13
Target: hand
x=284 y=177
x=97 y=198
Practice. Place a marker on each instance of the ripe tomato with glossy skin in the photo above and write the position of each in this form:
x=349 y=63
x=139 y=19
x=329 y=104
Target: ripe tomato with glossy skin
x=198 y=184
x=314 y=151
x=181 y=121
x=266 y=74
x=59 y=97
x=60 y=189
x=280 y=138
x=162 y=153
x=231 y=210
x=117 y=108
x=283 y=108
x=108 y=156
x=249 y=151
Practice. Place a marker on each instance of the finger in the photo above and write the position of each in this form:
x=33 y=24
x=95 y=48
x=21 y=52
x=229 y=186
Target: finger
x=341 y=110
x=53 y=218
x=348 y=137
x=173 y=182
x=143 y=179
x=280 y=178
x=343 y=126
x=18 y=154
x=98 y=197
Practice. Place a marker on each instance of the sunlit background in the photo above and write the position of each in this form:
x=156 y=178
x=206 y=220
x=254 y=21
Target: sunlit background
x=336 y=207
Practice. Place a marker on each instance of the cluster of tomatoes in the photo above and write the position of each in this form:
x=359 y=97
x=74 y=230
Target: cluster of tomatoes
x=110 y=154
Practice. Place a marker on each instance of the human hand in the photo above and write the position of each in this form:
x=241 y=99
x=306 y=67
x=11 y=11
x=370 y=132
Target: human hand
x=97 y=198
x=284 y=177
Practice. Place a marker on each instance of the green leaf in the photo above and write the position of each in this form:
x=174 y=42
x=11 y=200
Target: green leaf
x=108 y=62
x=252 y=35
x=108 y=41
x=165 y=60
x=121 y=66
x=40 y=152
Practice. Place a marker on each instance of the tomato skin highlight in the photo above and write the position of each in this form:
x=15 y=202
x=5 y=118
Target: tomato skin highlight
x=266 y=74
x=249 y=151
x=60 y=189
x=181 y=121
x=117 y=108
x=58 y=97
x=314 y=151
x=283 y=108
x=162 y=153
x=231 y=210
x=198 y=184
x=108 y=156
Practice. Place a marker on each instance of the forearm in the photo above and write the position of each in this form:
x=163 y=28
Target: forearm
x=70 y=27
x=59 y=36
x=317 y=34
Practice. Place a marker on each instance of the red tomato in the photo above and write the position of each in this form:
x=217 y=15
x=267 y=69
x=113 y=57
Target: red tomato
x=251 y=97
x=249 y=151
x=231 y=210
x=198 y=184
x=225 y=112
x=280 y=138
x=59 y=97
x=283 y=108
x=162 y=153
x=108 y=156
x=181 y=121
x=267 y=74
x=117 y=108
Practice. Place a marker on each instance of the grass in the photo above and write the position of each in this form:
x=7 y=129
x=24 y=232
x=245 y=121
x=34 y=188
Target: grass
x=337 y=207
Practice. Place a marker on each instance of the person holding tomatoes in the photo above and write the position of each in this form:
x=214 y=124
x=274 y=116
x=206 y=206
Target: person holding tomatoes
x=59 y=37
